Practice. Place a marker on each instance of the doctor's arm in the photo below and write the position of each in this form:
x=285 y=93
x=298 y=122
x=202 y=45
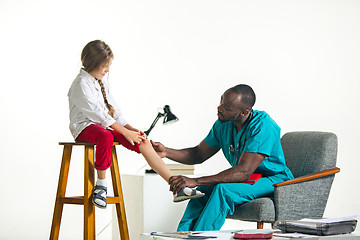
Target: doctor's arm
x=189 y=156
x=247 y=165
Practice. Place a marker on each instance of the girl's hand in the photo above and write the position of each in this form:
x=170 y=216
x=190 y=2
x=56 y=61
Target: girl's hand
x=131 y=134
x=141 y=132
x=129 y=127
x=134 y=136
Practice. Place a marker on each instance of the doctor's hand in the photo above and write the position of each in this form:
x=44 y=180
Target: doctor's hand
x=178 y=182
x=159 y=148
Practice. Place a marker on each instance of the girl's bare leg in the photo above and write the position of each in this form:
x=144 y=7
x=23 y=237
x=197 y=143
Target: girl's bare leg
x=101 y=174
x=154 y=160
x=160 y=167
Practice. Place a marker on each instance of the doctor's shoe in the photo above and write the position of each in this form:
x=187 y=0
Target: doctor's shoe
x=187 y=193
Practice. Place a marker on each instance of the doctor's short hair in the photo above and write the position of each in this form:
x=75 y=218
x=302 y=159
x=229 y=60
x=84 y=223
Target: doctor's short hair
x=95 y=54
x=248 y=95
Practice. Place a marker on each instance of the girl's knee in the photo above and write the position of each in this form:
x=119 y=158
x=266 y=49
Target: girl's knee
x=145 y=145
x=106 y=138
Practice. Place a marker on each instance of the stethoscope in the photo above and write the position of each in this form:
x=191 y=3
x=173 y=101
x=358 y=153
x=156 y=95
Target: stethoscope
x=231 y=147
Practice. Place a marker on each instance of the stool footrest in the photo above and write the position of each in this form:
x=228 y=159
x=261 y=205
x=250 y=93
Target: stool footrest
x=72 y=200
x=80 y=200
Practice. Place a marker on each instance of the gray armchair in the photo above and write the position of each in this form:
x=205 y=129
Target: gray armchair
x=311 y=156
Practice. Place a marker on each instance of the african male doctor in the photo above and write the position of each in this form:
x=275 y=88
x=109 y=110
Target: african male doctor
x=250 y=141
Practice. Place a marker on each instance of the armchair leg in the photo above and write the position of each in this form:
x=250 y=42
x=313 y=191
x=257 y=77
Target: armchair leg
x=260 y=225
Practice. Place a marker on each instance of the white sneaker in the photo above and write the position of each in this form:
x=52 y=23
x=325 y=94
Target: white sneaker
x=187 y=193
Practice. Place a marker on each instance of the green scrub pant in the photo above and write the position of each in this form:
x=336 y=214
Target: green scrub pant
x=208 y=213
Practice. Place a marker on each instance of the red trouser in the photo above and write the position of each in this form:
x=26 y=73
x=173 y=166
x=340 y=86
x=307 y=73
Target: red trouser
x=104 y=138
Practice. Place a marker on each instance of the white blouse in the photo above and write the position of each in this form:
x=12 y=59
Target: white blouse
x=87 y=106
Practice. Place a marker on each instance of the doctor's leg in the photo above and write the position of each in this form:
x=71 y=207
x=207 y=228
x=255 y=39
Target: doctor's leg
x=225 y=197
x=194 y=209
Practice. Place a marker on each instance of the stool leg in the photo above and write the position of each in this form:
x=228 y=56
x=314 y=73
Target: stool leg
x=260 y=225
x=120 y=207
x=63 y=177
x=89 y=208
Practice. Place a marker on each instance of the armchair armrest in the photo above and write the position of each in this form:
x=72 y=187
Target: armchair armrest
x=311 y=176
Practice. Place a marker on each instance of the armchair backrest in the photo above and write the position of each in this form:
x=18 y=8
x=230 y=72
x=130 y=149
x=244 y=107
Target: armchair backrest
x=309 y=152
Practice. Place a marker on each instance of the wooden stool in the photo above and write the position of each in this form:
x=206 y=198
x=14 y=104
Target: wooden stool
x=89 y=208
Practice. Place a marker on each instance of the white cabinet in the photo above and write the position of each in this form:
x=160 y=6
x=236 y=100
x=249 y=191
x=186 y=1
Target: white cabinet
x=149 y=206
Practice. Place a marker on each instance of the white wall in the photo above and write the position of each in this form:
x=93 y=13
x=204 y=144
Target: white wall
x=301 y=57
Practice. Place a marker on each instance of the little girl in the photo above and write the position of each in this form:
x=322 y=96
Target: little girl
x=95 y=117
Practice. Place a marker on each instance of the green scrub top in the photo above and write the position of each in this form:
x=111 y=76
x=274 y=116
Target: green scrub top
x=261 y=135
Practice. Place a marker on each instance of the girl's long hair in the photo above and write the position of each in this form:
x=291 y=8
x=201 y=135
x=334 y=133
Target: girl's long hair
x=95 y=55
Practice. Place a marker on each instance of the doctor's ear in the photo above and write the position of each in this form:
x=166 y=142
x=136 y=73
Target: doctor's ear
x=244 y=112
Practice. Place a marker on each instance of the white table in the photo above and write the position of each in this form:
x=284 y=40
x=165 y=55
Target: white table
x=228 y=235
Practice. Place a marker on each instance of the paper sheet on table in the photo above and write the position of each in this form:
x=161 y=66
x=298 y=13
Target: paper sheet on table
x=293 y=235
x=228 y=234
x=218 y=234
x=195 y=235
